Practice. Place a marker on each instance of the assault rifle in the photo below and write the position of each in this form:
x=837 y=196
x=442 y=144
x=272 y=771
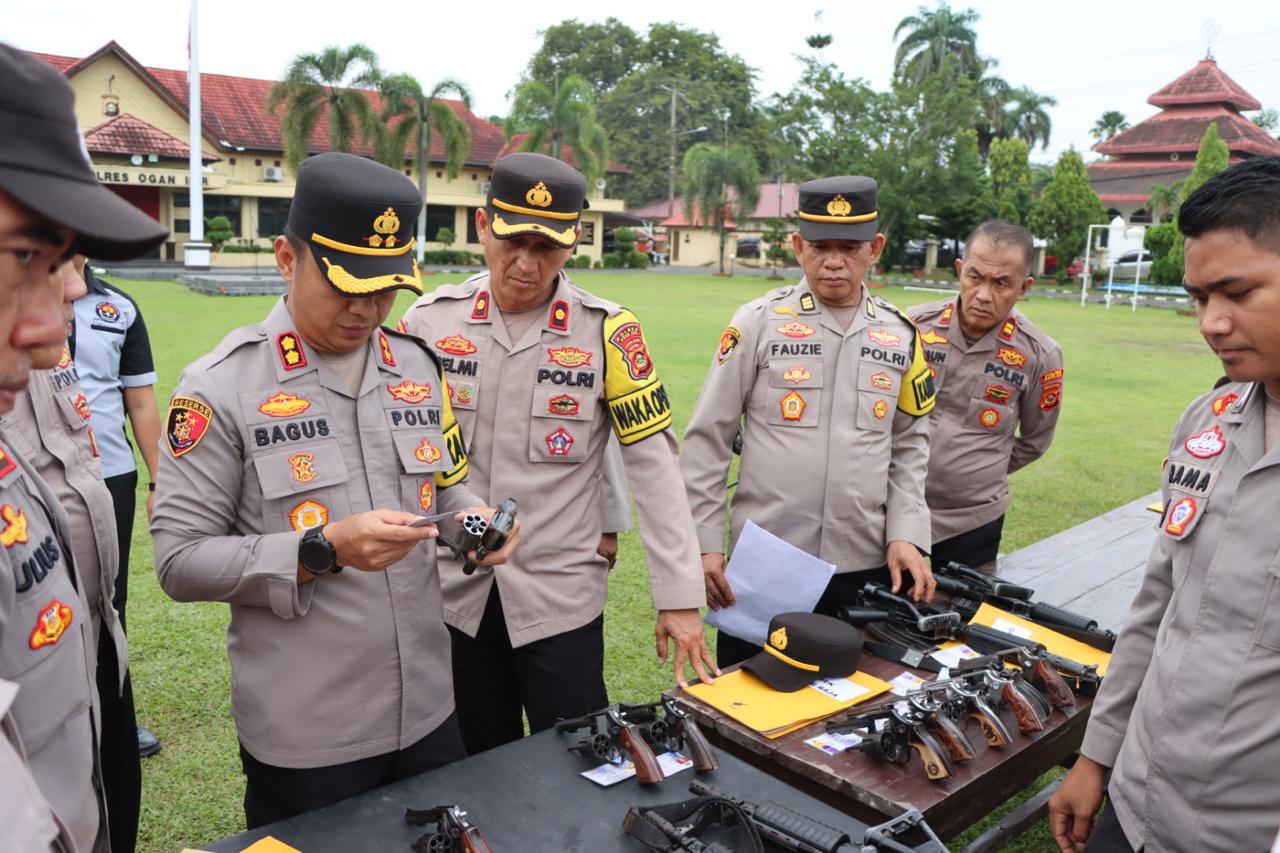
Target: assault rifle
x=452 y=832
x=674 y=827
x=969 y=588
x=611 y=739
x=674 y=731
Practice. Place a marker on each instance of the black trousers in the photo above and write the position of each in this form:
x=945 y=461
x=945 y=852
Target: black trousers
x=274 y=793
x=560 y=676
x=840 y=590
x=118 y=749
x=124 y=495
x=976 y=547
x=1107 y=836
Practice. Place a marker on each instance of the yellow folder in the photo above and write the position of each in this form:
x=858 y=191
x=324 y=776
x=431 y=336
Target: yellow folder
x=756 y=705
x=1056 y=643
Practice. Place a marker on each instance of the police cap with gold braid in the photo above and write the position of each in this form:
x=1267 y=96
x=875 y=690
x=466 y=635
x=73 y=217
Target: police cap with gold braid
x=536 y=194
x=840 y=208
x=359 y=217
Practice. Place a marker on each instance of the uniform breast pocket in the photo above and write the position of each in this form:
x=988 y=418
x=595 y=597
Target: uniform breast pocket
x=75 y=410
x=1268 y=635
x=303 y=486
x=421 y=456
x=47 y=650
x=560 y=424
x=984 y=416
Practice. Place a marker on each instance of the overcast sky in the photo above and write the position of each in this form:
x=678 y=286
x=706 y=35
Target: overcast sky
x=1092 y=56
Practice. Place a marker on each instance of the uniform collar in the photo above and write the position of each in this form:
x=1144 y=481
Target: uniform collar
x=1247 y=417
x=559 y=314
x=93 y=284
x=1003 y=335
x=293 y=357
x=864 y=312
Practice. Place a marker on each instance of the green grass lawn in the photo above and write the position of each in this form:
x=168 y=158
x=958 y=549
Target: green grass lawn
x=1129 y=376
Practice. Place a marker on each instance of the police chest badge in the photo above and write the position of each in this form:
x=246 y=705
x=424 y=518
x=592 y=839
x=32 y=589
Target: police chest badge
x=188 y=421
x=15 y=526
x=51 y=624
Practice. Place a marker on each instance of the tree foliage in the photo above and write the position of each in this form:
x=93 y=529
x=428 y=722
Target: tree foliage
x=553 y=117
x=1066 y=210
x=601 y=53
x=338 y=78
x=777 y=236
x=710 y=171
x=1211 y=158
x=1108 y=125
x=1163 y=198
x=964 y=198
x=1010 y=178
x=930 y=38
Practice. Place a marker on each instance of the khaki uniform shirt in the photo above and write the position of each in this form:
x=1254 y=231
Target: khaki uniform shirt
x=264 y=441
x=49 y=426
x=46 y=647
x=538 y=413
x=834 y=442
x=1187 y=714
x=28 y=820
x=998 y=403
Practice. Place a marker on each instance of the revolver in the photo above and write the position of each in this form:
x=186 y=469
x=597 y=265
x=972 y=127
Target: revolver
x=891 y=732
x=612 y=737
x=452 y=832
x=484 y=536
x=675 y=730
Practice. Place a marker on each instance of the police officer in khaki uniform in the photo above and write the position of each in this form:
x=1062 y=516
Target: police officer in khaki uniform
x=1186 y=717
x=833 y=388
x=999 y=380
x=49 y=426
x=540 y=372
x=301 y=445
x=50 y=206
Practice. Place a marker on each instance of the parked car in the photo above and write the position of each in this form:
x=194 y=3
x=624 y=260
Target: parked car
x=1128 y=264
x=948 y=251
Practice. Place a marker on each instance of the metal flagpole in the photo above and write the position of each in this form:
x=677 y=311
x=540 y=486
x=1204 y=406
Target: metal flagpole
x=196 y=251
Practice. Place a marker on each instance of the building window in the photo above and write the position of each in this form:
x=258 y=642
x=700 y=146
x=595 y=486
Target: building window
x=588 y=234
x=257 y=162
x=224 y=205
x=182 y=226
x=273 y=215
x=473 y=236
x=438 y=216
x=182 y=198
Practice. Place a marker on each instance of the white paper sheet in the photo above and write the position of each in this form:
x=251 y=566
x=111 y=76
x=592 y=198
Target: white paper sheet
x=768 y=577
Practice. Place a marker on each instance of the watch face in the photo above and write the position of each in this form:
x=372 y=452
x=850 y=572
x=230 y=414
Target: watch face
x=316 y=553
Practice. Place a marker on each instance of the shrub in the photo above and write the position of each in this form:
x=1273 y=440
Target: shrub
x=218 y=231
x=579 y=262
x=597 y=265
x=446 y=236
x=612 y=260
x=1166 y=251
x=624 y=239
x=637 y=261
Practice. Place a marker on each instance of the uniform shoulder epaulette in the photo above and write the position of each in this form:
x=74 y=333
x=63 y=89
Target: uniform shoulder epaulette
x=590 y=300
x=462 y=290
x=235 y=339
x=894 y=309
x=409 y=336
x=776 y=295
x=927 y=311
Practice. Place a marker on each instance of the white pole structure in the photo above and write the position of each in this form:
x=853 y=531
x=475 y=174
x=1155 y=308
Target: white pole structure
x=1137 y=273
x=196 y=251
x=1086 y=274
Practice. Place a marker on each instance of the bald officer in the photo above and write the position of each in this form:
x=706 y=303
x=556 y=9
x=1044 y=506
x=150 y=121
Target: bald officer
x=540 y=373
x=999 y=380
x=50 y=207
x=308 y=443
x=831 y=388
x=49 y=426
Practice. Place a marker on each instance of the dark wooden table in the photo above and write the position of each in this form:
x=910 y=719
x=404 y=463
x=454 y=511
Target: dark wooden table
x=872 y=790
x=526 y=796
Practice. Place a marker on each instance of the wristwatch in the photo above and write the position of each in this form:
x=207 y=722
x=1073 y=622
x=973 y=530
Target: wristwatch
x=316 y=554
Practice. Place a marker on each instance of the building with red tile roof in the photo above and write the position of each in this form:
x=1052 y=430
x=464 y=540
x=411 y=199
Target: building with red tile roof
x=135 y=122
x=1162 y=149
x=697 y=243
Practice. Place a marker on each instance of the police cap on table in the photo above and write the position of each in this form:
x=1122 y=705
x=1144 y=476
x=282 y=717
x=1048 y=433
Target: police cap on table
x=840 y=208
x=358 y=217
x=801 y=647
x=536 y=194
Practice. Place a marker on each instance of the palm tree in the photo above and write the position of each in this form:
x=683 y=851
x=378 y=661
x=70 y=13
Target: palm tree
x=419 y=112
x=1111 y=123
x=992 y=93
x=710 y=171
x=931 y=35
x=565 y=115
x=337 y=78
x=1163 y=198
x=1027 y=117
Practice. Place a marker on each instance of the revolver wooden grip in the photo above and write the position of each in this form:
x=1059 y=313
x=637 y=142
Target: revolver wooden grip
x=471 y=841
x=936 y=764
x=699 y=750
x=647 y=770
x=1054 y=685
x=992 y=728
x=1023 y=711
x=951 y=737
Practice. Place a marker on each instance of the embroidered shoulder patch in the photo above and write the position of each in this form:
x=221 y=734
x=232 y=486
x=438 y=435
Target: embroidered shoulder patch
x=636 y=397
x=188 y=421
x=728 y=343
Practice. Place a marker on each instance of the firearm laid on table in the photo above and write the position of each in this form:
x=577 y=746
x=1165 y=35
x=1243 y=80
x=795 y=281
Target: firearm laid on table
x=451 y=831
x=673 y=731
x=969 y=588
x=613 y=738
x=909 y=633
x=676 y=826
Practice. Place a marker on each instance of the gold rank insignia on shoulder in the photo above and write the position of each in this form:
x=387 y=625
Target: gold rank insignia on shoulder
x=15 y=526
x=385 y=226
x=839 y=206
x=806 y=303
x=539 y=195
